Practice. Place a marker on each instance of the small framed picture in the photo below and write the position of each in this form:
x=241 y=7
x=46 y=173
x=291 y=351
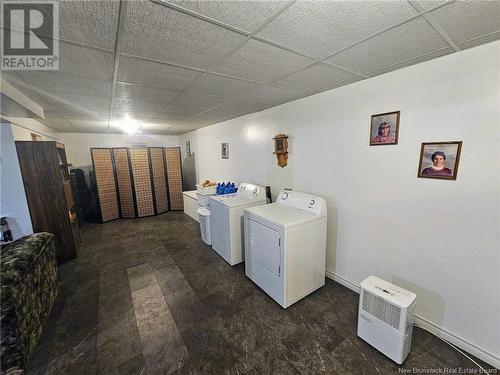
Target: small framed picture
x=224 y=150
x=439 y=160
x=384 y=129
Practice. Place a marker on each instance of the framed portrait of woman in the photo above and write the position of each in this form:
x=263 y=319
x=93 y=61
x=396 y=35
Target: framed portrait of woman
x=384 y=129
x=439 y=160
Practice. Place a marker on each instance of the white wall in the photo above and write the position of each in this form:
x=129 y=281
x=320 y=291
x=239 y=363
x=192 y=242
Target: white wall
x=78 y=145
x=437 y=238
x=13 y=198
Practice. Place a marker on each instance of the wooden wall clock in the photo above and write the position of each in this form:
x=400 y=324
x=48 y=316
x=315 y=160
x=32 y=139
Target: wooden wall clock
x=281 y=149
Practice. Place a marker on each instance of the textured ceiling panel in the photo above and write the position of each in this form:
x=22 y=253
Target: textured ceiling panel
x=154 y=93
x=158 y=32
x=221 y=86
x=94 y=106
x=428 y=4
x=129 y=106
x=153 y=117
x=246 y=15
x=152 y=74
x=409 y=40
x=89 y=125
x=146 y=94
x=270 y=95
x=465 y=20
x=316 y=77
x=262 y=62
x=231 y=109
x=49 y=81
x=85 y=62
x=320 y=28
x=91 y=22
x=198 y=100
x=151 y=127
x=414 y=61
x=57 y=122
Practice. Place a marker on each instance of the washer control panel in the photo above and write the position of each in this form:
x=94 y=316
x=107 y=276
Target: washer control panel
x=251 y=191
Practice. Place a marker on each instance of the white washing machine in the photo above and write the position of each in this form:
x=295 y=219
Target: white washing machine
x=285 y=246
x=227 y=220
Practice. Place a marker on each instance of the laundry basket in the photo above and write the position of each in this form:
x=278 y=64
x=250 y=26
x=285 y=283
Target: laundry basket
x=204 y=216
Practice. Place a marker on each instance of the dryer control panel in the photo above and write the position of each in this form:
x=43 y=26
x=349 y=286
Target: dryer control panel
x=302 y=201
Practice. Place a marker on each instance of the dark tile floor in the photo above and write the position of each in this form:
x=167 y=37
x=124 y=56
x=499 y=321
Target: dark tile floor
x=146 y=296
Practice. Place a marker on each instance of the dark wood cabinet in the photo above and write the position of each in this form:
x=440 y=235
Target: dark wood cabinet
x=47 y=184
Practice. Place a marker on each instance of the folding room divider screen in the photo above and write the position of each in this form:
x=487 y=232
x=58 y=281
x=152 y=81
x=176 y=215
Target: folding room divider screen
x=138 y=181
x=174 y=176
x=124 y=180
x=139 y=160
x=102 y=161
x=159 y=181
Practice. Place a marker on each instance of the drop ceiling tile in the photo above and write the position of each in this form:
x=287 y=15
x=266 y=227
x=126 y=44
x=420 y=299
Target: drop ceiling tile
x=155 y=31
x=233 y=109
x=130 y=106
x=152 y=128
x=429 y=4
x=184 y=127
x=147 y=94
x=93 y=106
x=156 y=75
x=49 y=81
x=211 y=84
x=465 y=20
x=246 y=15
x=123 y=105
x=407 y=41
x=261 y=62
x=270 y=95
x=414 y=61
x=320 y=28
x=89 y=125
x=90 y=22
x=85 y=62
x=316 y=77
x=55 y=121
x=149 y=117
x=199 y=101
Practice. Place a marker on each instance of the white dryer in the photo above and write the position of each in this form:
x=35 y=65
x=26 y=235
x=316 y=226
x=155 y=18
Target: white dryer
x=227 y=220
x=285 y=246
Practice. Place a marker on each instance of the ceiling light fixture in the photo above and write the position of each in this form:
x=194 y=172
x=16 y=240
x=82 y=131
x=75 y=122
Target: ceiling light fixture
x=129 y=125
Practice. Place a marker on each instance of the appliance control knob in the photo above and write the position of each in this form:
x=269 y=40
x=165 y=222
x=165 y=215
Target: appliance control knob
x=284 y=196
x=311 y=203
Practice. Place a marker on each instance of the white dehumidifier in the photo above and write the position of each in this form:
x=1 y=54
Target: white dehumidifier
x=385 y=317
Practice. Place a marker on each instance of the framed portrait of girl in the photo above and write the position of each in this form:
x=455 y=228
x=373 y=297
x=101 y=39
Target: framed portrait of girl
x=384 y=129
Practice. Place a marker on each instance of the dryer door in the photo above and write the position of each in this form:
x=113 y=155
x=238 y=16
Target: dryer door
x=265 y=246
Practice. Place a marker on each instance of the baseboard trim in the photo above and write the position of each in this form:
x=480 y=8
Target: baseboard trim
x=433 y=328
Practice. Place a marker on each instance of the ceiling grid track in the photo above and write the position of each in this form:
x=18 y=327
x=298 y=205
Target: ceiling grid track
x=248 y=36
x=234 y=79
x=433 y=23
x=252 y=35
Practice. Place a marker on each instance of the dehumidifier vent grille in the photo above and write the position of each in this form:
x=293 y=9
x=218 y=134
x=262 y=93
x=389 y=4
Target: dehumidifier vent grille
x=381 y=309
